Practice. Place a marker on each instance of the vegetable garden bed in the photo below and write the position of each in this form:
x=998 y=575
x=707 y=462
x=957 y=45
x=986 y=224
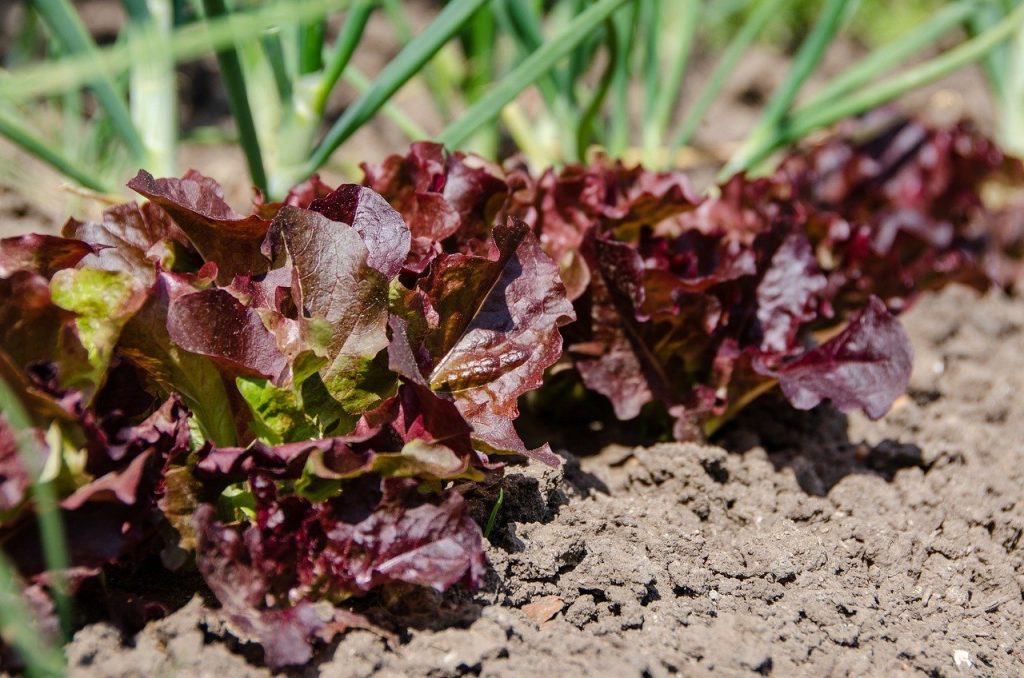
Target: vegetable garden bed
x=388 y=426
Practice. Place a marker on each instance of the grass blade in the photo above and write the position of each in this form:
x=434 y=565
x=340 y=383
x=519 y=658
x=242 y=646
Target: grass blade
x=409 y=127
x=493 y=517
x=408 y=63
x=667 y=94
x=188 y=42
x=996 y=63
x=625 y=23
x=479 y=44
x=1011 y=123
x=71 y=111
x=806 y=60
x=273 y=50
x=579 y=59
x=896 y=52
x=51 y=528
x=238 y=97
x=440 y=91
x=20 y=135
x=137 y=10
x=809 y=118
x=545 y=84
x=17 y=628
x=650 y=16
x=64 y=22
x=756 y=21
x=526 y=22
x=311 y=45
x=584 y=132
x=533 y=67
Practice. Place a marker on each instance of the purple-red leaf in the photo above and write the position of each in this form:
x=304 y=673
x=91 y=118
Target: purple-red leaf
x=346 y=301
x=42 y=254
x=866 y=366
x=34 y=330
x=787 y=295
x=114 y=516
x=285 y=634
x=377 y=532
x=196 y=203
x=496 y=330
x=233 y=464
x=131 y=238
x=214 y=323
x=145 y=343
x=384 y=234
x=498 y=319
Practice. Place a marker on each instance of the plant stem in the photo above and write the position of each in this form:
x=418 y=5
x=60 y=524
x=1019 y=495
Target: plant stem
x=234 y=83
x=996 y=63
x=579 y=60
x=409 y=127
x=618 y=135
x=896 y=52
x=480 y=54
x=19 y=629
x=756 y=21
x=806 y=60
x=491 y=519
x=307 y=101
x=650 y=16
x=311 y=45
x=431 y=76
x=527 y=72
x=18 y=134
x=188 y=42
x=153 y=87
x=544 y=84
x=51 y=528
x=526 y=21
x=524 y=134
x=71 y=111
x=273 y=50
x=345 y=45
x=589 y=115
x=668 y=93
x=409 y=61
x=64 y=22
x=821 y=114
x=1011 y=124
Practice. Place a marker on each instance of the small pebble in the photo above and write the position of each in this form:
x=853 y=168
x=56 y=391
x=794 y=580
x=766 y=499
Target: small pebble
x=962 y=659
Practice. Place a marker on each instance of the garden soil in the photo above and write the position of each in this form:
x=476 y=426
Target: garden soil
x=800 y=544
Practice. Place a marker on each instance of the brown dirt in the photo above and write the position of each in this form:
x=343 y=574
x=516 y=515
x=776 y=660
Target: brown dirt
x=808 y=544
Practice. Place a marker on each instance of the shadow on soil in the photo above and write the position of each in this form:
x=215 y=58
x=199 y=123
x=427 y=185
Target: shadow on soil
x=815 y=444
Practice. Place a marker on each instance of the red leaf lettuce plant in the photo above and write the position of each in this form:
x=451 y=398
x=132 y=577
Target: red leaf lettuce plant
x=301 y=396
x=698 y=306
x=281 y=392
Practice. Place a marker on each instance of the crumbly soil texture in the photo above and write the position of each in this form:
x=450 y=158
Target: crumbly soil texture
x=802 y=544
